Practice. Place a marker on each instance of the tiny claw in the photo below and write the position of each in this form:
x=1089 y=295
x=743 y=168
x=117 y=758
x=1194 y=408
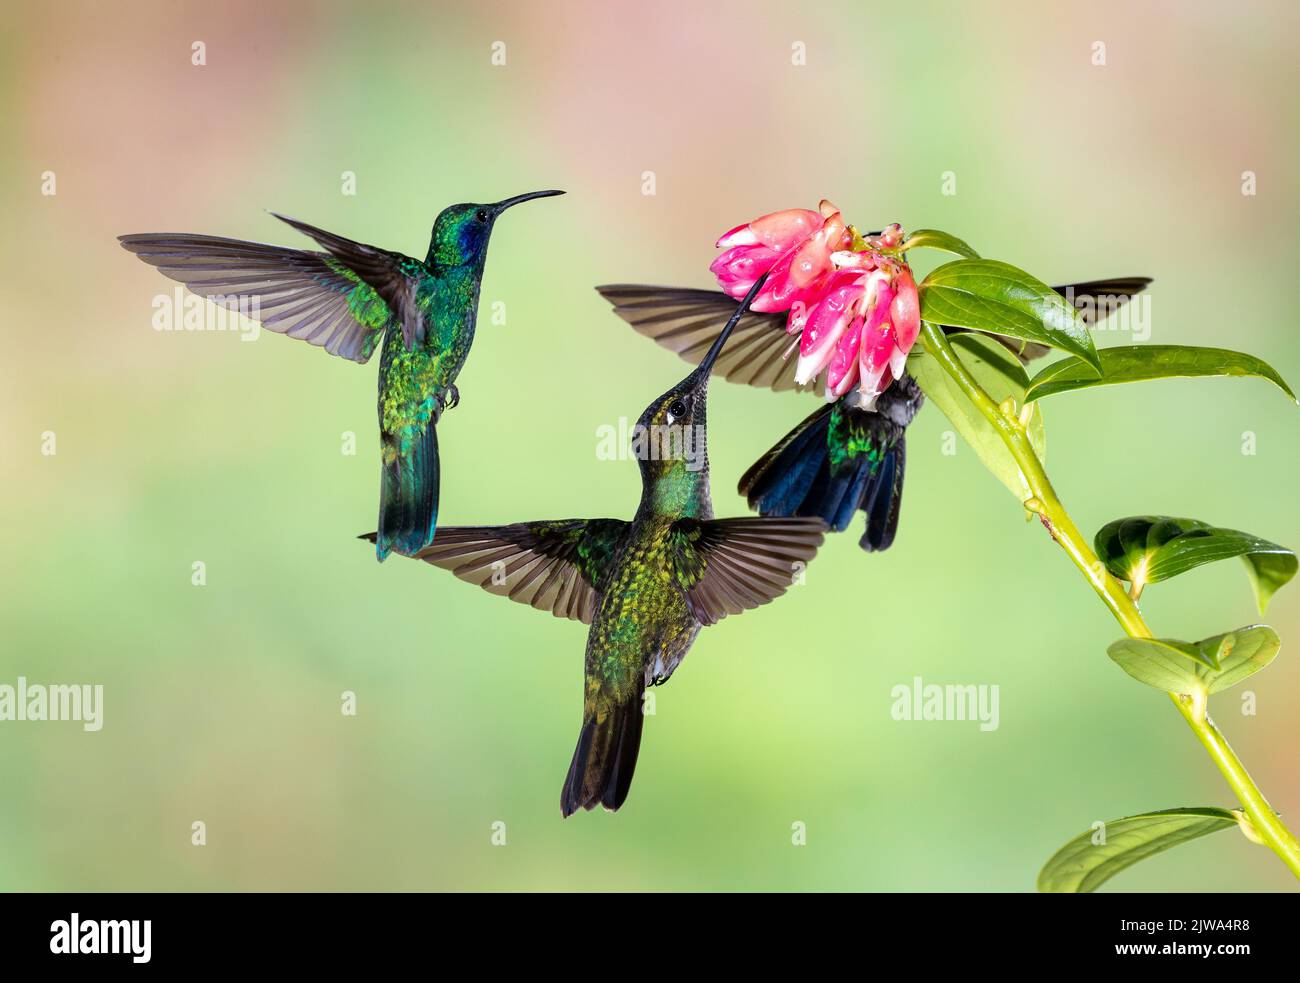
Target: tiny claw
x=451 y=398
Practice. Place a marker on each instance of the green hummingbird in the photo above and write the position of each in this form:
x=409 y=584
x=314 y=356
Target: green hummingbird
x=842 y=458
x=349 y=298
x=645 y=587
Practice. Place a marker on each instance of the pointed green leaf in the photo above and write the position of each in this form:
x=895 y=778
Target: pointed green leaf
x=987 y=295
x=1001 y=375
x=1146 y=549
x=1268 y=571
x=934 y=239
x=1166 y=664
x=1239 y=653
x=1083 y=865
x=1138 y=363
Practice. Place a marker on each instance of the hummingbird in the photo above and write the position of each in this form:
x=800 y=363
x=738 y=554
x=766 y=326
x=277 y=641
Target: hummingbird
x=348 y=298
x=842 y=458
x=645 y=587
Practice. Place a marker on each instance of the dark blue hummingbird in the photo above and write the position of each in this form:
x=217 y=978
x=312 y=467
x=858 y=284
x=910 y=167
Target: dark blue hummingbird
x=841 y=459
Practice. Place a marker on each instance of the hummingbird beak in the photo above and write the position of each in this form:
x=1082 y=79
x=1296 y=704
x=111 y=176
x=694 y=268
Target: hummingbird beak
x=707 y=364
x=501 y=206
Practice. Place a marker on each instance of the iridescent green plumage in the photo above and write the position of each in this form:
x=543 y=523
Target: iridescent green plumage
x=645 y=587
x=414 y=383
x=850 y=439
x=350 y=299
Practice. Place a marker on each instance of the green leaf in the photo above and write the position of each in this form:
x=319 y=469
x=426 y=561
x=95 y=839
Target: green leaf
x=1166 y=664
x=986 y=295
x=1239 y=654
x=1211 y=665
x=1138 y=363
x=1146 y=549
x=1000 y=375
x=934 y=239
x=1081 y=866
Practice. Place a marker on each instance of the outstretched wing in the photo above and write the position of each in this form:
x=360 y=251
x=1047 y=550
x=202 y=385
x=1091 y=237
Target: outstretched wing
x=687 y=321
x=553 y=566
x=731 y=565
x=341 y=300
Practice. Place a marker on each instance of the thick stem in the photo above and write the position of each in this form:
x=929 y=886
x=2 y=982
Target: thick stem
x=1044 y=502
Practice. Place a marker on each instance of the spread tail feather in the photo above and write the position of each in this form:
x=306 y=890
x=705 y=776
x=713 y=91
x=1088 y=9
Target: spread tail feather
x=778 y=483
x=408 y=495
x=830 y=468
x=605 y=758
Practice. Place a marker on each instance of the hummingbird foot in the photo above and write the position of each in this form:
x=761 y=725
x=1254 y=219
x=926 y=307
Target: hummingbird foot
x=451 y=398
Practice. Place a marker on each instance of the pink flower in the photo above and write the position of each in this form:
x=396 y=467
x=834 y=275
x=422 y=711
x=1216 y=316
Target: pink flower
x=826 y=323
x=778 y=230
x=800 y=276
x=891 y=322
x=905 y=310
x=754 y=248
x=877 y=364
x=842 y=372
x=856 y=311
x=793 y=247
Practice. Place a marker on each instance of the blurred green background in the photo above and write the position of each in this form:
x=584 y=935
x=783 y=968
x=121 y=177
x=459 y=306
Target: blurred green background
x=223 y=701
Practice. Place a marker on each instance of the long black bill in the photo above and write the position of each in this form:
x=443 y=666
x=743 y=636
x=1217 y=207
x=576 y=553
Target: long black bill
x=707 y=364
x=501 y=206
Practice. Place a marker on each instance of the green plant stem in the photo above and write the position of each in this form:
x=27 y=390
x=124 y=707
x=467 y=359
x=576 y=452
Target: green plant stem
x=1044 y=502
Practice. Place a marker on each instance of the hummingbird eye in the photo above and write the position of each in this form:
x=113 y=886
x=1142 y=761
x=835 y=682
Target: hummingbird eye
x=676 y=410
x=481 y=215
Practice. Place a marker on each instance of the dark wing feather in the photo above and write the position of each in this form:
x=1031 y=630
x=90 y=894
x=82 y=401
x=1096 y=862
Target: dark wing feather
x=687 y=321
x=392 y=275
x=731 y=565
x=1121 y=288
x=552 y=566
x=305 y=295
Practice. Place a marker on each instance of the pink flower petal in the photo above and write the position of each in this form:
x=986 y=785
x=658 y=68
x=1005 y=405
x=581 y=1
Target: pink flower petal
x=842 y=371
x=877 y=348
x=738 y=268
x=785 y=229
x=905 y=311
x=837 y=305
x=810 y=365
x=897 y=362
x=845 y=384
x=800 y=275
x=778 y=293
x=870 y=387
x=825 y=325
x=877 y=336
x=741 y=235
